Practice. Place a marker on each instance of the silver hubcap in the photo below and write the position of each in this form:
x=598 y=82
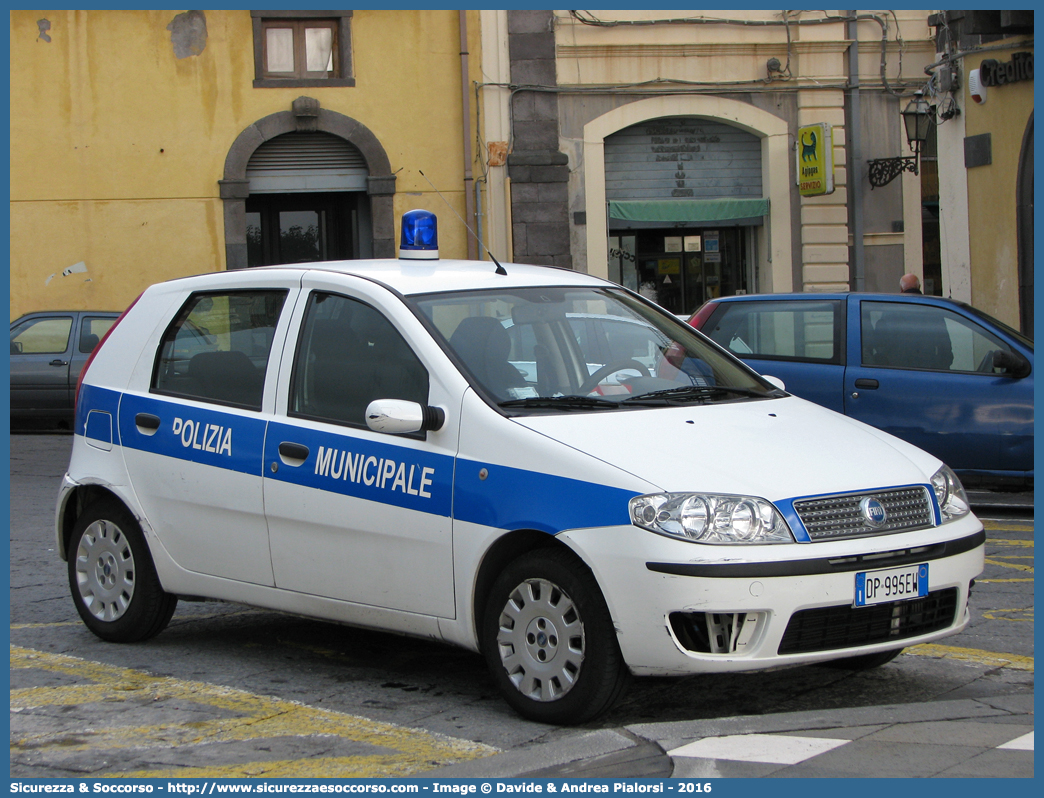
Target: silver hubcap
x=105 y=571
x=541 y=640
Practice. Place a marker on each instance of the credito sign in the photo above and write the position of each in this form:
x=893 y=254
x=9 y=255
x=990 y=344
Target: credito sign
x=814 y=151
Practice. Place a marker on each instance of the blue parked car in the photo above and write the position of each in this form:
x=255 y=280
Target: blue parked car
x=935 y=372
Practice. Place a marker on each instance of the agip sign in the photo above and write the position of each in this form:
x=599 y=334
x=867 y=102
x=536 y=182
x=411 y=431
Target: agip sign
x=815 y=160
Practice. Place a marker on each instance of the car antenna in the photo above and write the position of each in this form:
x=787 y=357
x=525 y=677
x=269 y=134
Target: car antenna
x=500 y=269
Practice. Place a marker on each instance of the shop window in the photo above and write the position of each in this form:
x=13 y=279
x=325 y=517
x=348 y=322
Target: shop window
x=302 y=48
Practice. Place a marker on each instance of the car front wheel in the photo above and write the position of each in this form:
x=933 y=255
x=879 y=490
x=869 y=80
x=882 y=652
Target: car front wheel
x=112 y=578
x=550 y=642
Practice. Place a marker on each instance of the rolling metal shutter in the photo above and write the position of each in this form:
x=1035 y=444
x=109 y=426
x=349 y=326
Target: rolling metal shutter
x=305 y=162
x=682 y=158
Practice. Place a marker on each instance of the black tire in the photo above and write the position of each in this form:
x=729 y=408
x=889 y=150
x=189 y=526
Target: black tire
x=112 y=578
x=570 y=669
x=865 y=662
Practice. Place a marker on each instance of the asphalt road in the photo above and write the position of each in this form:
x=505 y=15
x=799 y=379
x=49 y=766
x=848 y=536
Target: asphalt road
x=232 y=691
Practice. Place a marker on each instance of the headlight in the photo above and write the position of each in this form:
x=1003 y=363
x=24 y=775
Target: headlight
x=710 y=518
x=948 y=490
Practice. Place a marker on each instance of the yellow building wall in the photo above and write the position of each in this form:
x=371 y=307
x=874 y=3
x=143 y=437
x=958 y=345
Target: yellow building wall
x=117 y=145
x=991 y=190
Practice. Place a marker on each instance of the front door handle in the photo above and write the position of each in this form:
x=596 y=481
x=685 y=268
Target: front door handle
x=293 y=453
x=59 y=363
x=867 y=383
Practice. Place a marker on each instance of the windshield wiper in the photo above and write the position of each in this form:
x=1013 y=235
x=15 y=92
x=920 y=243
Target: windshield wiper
x=562 y=402
x=690 y=392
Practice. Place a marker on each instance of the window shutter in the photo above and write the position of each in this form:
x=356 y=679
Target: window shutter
x=306 y=162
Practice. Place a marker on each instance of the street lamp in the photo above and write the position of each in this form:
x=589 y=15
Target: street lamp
x=918 y=118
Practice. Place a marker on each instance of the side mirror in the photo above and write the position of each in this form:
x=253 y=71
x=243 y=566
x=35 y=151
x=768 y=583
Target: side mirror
x=398 y=417
x=1011 y=363
x=775 y=381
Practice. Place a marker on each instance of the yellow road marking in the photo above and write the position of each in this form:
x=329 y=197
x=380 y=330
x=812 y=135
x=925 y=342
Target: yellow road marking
x=334 y=767
x=244 y=716
x=991 y=658
x=991 y=581
x=997 y=615
x=1010 y=526
x=1017 y=566
x=45 y=625
x=1015 y=543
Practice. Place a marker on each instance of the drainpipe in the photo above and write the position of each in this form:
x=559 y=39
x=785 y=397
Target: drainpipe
x=854 y=147
x=469 y=202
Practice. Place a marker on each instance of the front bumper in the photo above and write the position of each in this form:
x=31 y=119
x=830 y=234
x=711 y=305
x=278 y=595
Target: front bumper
x=683 y=608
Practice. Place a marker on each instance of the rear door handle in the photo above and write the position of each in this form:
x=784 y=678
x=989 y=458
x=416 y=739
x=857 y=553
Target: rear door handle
x=867 y=383
x=147 y=422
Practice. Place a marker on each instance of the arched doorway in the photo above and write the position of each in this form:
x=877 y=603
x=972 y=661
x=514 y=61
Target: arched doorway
x=301 y=169
x=685 y=201
x=769 y=250
x=307 y=201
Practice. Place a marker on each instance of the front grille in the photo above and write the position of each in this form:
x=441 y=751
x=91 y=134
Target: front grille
x=836 y=517
x=834 y=628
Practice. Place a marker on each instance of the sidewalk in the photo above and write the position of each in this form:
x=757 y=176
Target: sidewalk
x=987 y=504
x=981 y=738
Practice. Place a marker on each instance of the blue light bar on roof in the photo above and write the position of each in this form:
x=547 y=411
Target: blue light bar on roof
x=420 y=236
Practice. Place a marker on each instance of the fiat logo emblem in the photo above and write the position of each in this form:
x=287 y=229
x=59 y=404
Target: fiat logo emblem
x=874 y=512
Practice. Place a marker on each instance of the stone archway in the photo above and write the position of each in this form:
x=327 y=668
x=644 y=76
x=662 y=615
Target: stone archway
x=305 y=115
x=775 y=265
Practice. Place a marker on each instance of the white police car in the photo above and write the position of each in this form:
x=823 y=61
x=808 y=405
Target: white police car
x=366 y=442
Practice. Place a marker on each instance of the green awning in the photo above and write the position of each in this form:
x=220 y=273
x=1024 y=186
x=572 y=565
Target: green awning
x=685 y=210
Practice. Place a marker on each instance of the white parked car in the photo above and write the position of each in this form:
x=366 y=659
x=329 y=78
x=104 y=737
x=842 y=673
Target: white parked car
x=355 y=443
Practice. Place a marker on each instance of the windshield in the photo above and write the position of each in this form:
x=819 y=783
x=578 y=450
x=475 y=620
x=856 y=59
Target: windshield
x=582 y=349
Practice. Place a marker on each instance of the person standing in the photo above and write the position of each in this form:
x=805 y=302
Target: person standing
x=909 y=284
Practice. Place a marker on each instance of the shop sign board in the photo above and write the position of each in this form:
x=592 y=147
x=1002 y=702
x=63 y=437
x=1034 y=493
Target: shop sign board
x=815 y=160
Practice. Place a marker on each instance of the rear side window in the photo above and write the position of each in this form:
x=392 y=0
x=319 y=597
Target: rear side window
x=806 y=331
x=92 y=330
x=45 y=336
x=218 y=346
x=349 y=355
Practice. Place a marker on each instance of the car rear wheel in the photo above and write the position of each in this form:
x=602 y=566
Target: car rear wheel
x=549 y=640
x=112 y=577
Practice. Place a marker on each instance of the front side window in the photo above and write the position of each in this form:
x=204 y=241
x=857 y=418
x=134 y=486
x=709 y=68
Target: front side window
x=47 y=336
x=302 y=48
x=909 y=336
x=217 y=348
x=809 y=331
x=349 y=355
x=560 y=348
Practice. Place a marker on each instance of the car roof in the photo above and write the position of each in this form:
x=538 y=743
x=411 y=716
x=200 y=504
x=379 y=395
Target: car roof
x=813 y=296
x=64 y=311
x=430 y=276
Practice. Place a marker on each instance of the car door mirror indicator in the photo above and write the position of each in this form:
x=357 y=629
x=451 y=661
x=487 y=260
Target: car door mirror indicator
x=398 y=417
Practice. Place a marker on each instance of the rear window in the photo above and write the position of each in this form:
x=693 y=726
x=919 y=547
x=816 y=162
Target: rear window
x=218 y=346
x=795 y=330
